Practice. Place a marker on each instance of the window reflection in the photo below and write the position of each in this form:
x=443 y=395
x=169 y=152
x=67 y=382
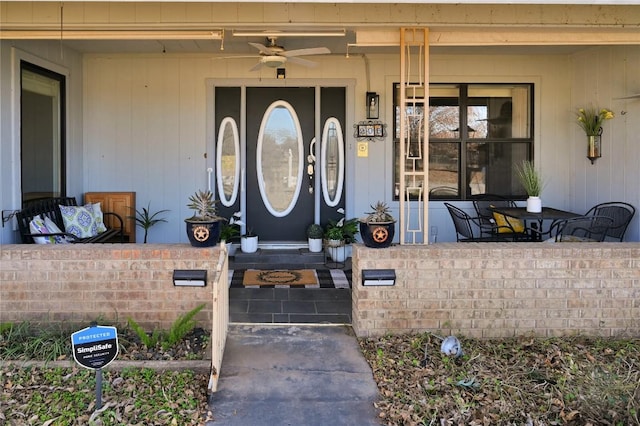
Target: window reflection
x=476 y=133
x=332 y=154
x=280 y=156
x=228 y=161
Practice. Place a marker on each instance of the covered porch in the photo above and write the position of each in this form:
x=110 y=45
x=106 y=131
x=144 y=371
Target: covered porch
x=139 y=107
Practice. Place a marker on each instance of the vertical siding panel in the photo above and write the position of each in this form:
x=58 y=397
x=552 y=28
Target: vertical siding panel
x=101 y=104
x=122 y=162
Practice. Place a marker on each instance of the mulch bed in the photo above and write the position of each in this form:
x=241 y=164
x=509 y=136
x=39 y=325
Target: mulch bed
x=194 y=346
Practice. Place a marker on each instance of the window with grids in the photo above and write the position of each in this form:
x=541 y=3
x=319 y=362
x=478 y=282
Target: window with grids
x=477 y=133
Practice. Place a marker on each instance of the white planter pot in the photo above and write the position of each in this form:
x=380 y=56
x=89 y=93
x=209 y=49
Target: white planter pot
x=337 y=250
x=249 y=244
x=315 y=245
x=534 y=204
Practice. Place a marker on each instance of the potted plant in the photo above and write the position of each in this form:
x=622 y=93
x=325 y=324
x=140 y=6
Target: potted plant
x=339 y=235
x=249 y=242
x=230 y=231
x=378 y=227
x=335 y=240
x=314 y=237
x=203 y=228
x=145 y=220
x=532 y=182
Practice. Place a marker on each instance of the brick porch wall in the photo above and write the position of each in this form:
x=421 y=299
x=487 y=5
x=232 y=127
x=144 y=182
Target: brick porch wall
x=501 y=289
x=110 y=282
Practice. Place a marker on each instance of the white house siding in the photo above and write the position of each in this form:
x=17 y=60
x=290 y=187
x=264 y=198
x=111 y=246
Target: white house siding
x=145 y=122
x=598 y=77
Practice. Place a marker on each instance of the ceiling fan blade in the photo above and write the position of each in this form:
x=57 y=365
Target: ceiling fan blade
x=236 y=57
x=308 y=51
x=304 y=62
x=262 y=48
x=257 y=66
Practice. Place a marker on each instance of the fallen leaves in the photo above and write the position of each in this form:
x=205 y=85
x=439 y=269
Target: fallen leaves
x=134 y=396
x=525 y=381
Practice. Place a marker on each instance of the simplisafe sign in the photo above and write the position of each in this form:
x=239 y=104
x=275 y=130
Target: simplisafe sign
x=95 y=346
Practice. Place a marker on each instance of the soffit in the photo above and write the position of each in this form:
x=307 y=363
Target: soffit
x=513 y=28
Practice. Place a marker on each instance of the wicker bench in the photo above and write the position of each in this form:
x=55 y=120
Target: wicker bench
x=50 y=207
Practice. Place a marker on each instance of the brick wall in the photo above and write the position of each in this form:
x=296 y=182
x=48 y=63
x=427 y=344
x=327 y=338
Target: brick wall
x=83 y=282
x=501 y=289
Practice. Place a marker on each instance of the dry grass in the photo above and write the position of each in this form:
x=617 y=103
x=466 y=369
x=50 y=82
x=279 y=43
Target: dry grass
x=519 y=381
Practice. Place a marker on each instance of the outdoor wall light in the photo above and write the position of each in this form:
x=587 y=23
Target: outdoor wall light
x=190 y=278
x=378 y=277
x=373 y=105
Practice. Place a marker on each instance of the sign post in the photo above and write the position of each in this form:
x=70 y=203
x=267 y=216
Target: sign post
x=93 y=348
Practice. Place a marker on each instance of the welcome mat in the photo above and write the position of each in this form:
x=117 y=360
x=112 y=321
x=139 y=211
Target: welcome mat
x=280 y=277
x=326 y=278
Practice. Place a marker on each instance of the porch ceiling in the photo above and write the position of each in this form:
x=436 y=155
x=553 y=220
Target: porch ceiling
x=451 y=41
x=132 y=27
x=337 y=48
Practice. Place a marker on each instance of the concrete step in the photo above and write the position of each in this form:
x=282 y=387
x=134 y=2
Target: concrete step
x=298 y=258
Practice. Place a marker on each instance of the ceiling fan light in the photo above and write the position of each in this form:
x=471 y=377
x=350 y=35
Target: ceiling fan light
x=273 y=61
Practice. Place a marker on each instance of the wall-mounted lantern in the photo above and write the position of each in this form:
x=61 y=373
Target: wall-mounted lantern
x=376 y=277
x=373 y=106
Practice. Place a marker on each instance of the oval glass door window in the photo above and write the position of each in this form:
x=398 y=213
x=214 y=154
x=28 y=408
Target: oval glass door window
x=228 y=162
x=332 y=156
x=279 y=158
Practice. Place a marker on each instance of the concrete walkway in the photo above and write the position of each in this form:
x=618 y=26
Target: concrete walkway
x=293 y=375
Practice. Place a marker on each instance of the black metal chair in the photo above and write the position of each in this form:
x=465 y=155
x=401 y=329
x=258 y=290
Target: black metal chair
x=619 y=212
x=484 y=205
x=468 y=228
x=582 y=229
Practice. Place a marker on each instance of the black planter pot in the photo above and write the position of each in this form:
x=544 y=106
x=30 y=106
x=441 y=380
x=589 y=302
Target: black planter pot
x=203 y=234
x=377 y=235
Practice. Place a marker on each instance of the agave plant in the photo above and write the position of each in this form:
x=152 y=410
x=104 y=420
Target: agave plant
x=381 y=213
x=204 y=205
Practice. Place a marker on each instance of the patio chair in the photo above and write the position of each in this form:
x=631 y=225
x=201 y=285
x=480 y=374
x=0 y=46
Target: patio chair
x=468 y=228
x=621 y=214
x=492 y=222
x=582 y=229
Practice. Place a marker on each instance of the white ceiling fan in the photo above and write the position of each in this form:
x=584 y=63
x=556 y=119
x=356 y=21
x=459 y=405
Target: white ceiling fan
x=274 y=56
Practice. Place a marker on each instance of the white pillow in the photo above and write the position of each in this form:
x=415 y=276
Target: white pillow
x=53 y=229
x=79 y=220
x=38 y=226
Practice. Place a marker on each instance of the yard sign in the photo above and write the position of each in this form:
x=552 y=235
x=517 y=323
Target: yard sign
x=95 y=347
